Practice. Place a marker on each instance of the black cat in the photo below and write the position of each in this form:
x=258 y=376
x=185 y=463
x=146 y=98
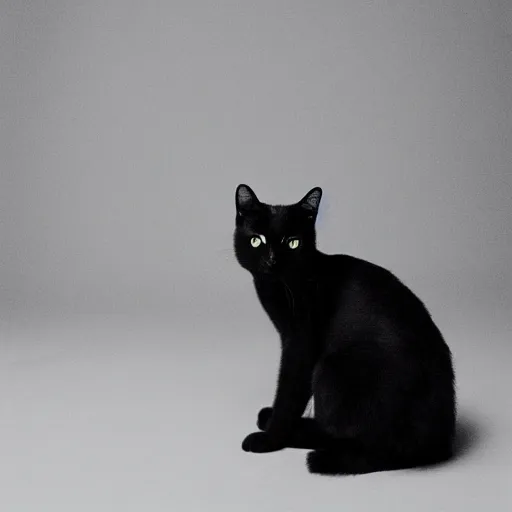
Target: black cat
x=354 y=337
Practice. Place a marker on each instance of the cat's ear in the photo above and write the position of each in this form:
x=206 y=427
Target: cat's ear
x=245 y=199
x=311 y=201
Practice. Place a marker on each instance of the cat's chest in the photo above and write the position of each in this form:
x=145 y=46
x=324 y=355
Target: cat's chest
x=290 y=307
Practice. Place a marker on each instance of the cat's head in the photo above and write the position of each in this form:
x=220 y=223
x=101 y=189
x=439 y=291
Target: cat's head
x=275 y=240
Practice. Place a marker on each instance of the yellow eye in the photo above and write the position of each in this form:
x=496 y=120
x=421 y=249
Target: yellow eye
x=255 y=241
x=293 y=243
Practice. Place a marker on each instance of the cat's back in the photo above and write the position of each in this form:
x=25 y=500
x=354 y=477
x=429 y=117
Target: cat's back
x=368 y=298
x=348 y=274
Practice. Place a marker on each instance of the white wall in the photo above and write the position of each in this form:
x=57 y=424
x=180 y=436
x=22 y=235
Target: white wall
x=126 y=126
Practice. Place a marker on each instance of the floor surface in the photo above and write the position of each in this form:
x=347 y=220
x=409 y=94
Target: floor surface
x=111 y=413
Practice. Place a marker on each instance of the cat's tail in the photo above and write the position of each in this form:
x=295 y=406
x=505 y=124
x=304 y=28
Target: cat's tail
x=351 y=460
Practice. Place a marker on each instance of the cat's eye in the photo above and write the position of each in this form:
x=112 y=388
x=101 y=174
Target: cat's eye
x=293 y=243
x=255 y=241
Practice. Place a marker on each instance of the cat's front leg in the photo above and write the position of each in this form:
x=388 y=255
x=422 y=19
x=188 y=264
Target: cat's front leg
x=292 y=395
x=264 y=418
x=261 y=442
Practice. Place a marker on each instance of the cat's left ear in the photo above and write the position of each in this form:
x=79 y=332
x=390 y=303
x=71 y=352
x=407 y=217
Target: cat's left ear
x=311 y=201
x=245 y=199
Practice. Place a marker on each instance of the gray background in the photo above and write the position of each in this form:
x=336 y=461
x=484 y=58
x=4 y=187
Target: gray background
x=133 y=353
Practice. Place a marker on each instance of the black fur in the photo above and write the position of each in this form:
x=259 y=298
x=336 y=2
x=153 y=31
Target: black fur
x=354 y=337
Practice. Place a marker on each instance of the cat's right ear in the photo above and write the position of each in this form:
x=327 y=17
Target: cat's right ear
x=245 y=199
x=311 y=201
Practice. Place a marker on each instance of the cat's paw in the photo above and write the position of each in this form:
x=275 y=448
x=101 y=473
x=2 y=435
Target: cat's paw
x=264 y=417
x=260 y=442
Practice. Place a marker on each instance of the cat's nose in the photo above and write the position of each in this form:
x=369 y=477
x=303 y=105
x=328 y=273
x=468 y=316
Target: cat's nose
x=270 y=261
x=268 y=268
